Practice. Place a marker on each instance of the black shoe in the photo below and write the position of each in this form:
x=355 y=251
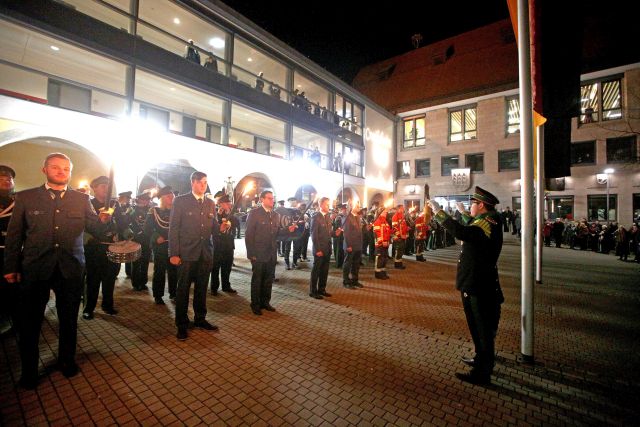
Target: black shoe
x=348 y=286
x=203 y=324
x=294 y=266
x=381 y=275
x=268 y=307
x=214 y=292
x=69 y=369
x=385 y=276
x=159 y=301
x=87 y=316
x=182 y=334
x=230 y=291
x=316 y=296
x=399 y=266
x=474 y=378
x=469 y=361
x=325 y=294
x=357 y=285
x=256 y=311
x=110 y=311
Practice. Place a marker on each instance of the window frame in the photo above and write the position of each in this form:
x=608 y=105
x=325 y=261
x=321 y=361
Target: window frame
x=416 y=167
x=582 y=118
x=634 y=149
x=442 y=164
x=415 y=136
x=466 y=161
x=506 y=115
x=595 y=153
x=463 y=124
x=500 y=169
x=613 y=204
x=400 y=169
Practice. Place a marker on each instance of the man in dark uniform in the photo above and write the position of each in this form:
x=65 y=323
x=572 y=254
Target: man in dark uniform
x=7 y=291
x=338 y=239
x=44 y=251
x=280 y=242
x=297 y=243
x=223 y=247
x=477 y=277
x=124 y=200
x=137 y=219
x=321 y=232
x=157 y=227
x=101 y=271
x=192 y=223
x=352 y=233
x=263 y=225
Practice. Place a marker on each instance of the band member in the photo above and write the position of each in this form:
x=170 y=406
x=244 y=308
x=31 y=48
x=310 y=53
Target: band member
x=382 y=231
x=321 y=232
x=352 y=227
x=223 y=247
x=101 y=271
x=157 y=227
x=400 y=232
x=124 y=200
x=338 y=238
x=477 y=277
x=298 y=243
x=263 y=225
x=7 y=291
x=138 y=217
x=192 y=224
x=422 y=232
x=44 y=251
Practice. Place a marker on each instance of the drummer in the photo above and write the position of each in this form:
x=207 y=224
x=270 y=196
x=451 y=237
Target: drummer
x=101 y=271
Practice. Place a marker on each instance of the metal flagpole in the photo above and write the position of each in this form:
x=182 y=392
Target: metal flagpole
x=526 y=180
x=539 y=201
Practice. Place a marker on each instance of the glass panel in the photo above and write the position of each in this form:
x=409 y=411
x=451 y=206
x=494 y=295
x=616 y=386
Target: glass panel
x=357 y=114
x=38 y=52
x=611 y=100
x=470 y=119
x=315 y=93
x=636 y=208
x=470 y=135
x=423 y=167
x=124 y=5
x=597 y=207
x=448 y=163
x=513 y=115
x=214 y=133
x=475 y=162
x=101 y=12
x=455 y=125
x=309 y=140
x=108 y=105
x=257 y=123
x=278 y=149
x=158 y=91
x=420 y=142
x=404 y=170
x=589 y=103
x=560 y=207
x=583 y=153
x=240 y=140
x=253 y=60
x=339 y=105
x=420 y=128
x=621 y=150
x=183 y=24
x=409 y=131
x=508 y=160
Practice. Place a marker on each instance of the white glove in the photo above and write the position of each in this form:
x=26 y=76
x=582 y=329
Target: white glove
x=460 y=207
x=435 y=207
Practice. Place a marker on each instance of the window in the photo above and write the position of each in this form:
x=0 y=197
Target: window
x=621 y=150
x=314 y=93
x=404 y=170
x=423 y=167
x=68 y=96
x=583 y=153
x=597 y=207
x=600 y=101
x=560 y=207
x=249 y=62
x=462 y=124
x=508 y=160
x=305 y=144
x=157 y=117
x=636 y=207
x=448 y=163
x=475 y=162
x=516 y=203
x=414 y=132
x=513 y=115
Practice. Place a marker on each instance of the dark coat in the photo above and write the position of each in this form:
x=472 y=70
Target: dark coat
x=225 y=242
x=191 y=227
x=352 y=233
x=260 y=234
x=321 y=233
x=44 y=233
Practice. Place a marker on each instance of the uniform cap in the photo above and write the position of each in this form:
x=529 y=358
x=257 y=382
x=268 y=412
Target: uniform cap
x=125 y=194
x=224 y=199
x=7 y=171
x=99 y=180
x=482 y=195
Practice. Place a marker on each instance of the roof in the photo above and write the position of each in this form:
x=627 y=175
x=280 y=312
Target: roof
x=471 y=64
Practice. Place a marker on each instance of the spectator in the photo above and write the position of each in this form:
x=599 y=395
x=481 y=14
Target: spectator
x=191 y=53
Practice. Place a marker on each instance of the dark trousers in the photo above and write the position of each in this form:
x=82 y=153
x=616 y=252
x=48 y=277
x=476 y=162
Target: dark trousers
x=140 y=268
x=304 y=244
x=351 y=267
x=286 y=251
x=221 y=271
x=297 y=250
x=558 y=240
x=398 y=250
x=319 y=273
x=372 y=247
x=163 y=268
x=198 y=272
x=382 y=255
x=420 y=247
x=338 y=251
x=100 y=272
x=483 y=316
x=32 y=301
x=262 y=277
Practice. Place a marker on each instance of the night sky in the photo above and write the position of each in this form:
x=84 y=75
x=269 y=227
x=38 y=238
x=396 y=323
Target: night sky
x=344 y=36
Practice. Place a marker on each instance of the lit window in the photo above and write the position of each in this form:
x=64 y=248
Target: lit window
x=414 y=132
x=462 y=124
x=513 y=115
x=404 y=169
x=601 y=101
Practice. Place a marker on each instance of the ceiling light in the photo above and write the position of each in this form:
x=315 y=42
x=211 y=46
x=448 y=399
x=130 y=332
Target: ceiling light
x=216 y=42
x=176 y=20
x=250 y=59
x=172 y=89
x=56 y=48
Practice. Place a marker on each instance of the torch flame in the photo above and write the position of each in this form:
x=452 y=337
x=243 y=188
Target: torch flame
x=388 y=203
x=249 y=187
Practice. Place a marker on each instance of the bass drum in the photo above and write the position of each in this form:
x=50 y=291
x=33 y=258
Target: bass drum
x=289 y=216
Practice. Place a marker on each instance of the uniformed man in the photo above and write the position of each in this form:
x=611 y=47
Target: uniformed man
x=400 y=232
x=287 y=243
x=321 y=232
x=338 y=238
x=192 y=224
x=44 y=251
x=101 y=271
x=157 y=227
x=352 y=245
x=223 y=247
x=7 y=291
x=298 y=243
x=137 y=219
x=280 y=242
x=382 y=233
x=422 y=232
x=477 y=277
x=124 y=200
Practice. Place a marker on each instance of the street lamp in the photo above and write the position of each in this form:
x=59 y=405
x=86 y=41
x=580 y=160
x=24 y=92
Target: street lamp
x=608 y=171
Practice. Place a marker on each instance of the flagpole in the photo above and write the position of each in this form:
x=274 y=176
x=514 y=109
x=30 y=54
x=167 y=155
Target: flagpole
x=526 y=181
x=539 y=200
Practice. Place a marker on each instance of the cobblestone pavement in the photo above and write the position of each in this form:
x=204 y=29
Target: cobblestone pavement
x=382 y=355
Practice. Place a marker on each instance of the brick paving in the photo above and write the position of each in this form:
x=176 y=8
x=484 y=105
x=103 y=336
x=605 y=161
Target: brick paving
x=382 y=355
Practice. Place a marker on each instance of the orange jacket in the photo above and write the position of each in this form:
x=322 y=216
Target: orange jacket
x=400 y=227
x=422 y=228
x=382 y=231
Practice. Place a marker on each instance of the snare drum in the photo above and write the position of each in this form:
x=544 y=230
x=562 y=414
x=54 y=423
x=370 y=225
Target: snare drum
x=124 y=251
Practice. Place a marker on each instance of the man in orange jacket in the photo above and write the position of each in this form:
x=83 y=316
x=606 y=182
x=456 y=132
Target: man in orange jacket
x=422 y=231
x=400 y=231
x=382 y=233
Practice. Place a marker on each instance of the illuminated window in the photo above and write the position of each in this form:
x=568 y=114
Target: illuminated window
x=462 y=124
x=597 y=207
x=414 y=132
x=513 y=115
x=404 y=169
x=601 y=101
x=423 y=167
x=448 y=163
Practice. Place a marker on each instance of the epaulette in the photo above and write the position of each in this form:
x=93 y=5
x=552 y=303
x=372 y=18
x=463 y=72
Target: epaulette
x=491 y=220
x=484 y=224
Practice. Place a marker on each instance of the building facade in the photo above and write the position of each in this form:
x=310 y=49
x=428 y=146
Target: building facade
x=159 y=88
x=461 y=128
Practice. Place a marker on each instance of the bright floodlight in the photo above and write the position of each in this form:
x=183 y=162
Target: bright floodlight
x=609 y=170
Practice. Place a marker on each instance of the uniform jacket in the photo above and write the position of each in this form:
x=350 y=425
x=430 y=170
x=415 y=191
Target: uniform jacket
x=382 y=231
x=482 y=243
x=110 y=231
x=352 y=227
x=400 y=227
x=321 y=233
x=156 y=225
x=6 y=207
x=226 y=241
x=191 y=226
x=44 y=232
x=260 y=234
x=422 y=228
